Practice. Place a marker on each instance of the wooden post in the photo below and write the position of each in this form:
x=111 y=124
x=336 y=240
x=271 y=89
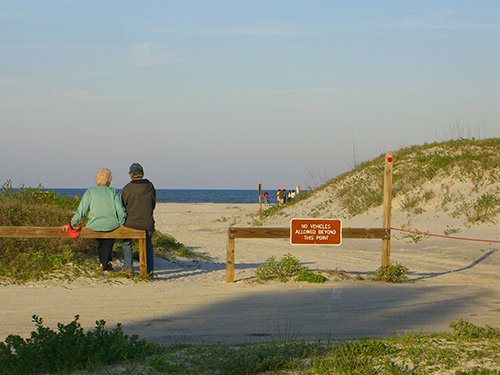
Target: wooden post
x=142 y=257
x=230 y=260
x=387 y=205
x=260 y=201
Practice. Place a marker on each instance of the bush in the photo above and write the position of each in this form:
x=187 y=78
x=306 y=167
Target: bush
x=393 y=273
x=34 y=258
x=482 y=209
x=285 y=268
x=37 y=196
x=288 y=266
x=310 y=277
x=466 y=330
x=69 y=349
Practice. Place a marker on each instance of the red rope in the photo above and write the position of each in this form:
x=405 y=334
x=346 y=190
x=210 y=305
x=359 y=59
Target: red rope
x=443 y=236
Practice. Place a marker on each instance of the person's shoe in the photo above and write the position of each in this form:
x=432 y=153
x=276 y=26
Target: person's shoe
x=109 y=267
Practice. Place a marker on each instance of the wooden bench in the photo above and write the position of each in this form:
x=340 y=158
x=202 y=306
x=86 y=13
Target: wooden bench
x=56 y=232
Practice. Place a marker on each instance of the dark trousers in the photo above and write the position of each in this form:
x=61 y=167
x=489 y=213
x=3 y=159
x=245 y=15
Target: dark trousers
x=104 y=249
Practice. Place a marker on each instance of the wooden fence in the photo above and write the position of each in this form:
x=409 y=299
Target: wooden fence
x=56 y=232
x=383 y=233
x=260 y=232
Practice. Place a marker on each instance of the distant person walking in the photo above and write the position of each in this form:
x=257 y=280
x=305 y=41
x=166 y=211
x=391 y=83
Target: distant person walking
x=282 y=196
x=266 y=198
x=139 y=200
x=105 y=210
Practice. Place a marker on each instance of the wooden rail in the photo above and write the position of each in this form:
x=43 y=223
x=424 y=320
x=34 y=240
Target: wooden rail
x=56 y=232
x=260 y=232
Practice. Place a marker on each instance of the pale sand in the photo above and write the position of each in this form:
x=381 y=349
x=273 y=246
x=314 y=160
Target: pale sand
x=191 y=302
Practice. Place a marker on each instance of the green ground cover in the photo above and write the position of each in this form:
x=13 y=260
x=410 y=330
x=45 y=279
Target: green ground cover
x=469 y=349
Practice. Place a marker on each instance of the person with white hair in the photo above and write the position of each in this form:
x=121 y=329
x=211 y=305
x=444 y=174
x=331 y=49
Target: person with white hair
x=105 y=210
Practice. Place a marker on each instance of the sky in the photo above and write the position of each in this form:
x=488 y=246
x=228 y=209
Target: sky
x=229 y=94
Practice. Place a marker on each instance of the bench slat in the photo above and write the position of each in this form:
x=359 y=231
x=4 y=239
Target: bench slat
x=56 y=232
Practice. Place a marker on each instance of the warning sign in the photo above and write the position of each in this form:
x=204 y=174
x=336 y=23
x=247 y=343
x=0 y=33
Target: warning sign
x=315 y=232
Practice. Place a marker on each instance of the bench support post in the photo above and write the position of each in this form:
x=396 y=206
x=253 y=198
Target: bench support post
x=230 y=260
x=142 y=257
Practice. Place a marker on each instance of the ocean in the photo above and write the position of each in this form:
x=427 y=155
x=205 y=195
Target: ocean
x=193 y=195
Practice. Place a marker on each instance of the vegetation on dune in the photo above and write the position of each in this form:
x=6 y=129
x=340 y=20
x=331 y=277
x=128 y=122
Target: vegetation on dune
x=469 y=349
x=418 y=175
x=37 y=197
x=24 y=259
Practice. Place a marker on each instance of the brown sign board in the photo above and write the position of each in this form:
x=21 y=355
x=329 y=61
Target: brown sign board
x=315 y=232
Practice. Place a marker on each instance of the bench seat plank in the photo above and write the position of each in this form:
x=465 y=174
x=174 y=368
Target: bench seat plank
x=56 y=232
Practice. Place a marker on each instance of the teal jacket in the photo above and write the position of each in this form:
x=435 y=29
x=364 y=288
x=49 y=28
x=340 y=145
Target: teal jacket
x=105 y=209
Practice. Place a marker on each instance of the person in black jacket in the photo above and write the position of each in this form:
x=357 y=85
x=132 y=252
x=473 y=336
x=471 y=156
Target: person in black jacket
x=139 y=200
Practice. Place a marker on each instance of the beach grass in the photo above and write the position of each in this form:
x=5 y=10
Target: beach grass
x=23 y=259
x=418 y=175
x=468 y=349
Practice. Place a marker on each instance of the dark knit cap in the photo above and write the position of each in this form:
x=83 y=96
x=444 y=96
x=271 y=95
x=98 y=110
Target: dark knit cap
x=136 y=168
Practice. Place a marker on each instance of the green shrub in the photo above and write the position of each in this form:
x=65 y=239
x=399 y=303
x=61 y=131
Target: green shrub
x=482 y=209
x=310 y=277
x=69 y=348
x=23 y=259
x=288 y=266
x=285 y=268
x=37 y=196
x=478 y=371
x=168 y=247
x=393 y=273
x=466 y=330
x=71 y=351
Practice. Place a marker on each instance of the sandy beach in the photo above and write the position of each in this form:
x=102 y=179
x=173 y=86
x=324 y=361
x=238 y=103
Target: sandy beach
x=191 y=302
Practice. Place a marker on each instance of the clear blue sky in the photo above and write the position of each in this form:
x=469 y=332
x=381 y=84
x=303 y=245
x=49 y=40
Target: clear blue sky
x=227 y=94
